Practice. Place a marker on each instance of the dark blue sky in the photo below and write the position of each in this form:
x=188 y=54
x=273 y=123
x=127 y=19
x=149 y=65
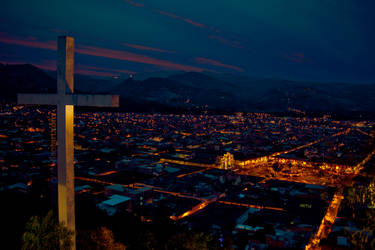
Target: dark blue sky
x=325 y=40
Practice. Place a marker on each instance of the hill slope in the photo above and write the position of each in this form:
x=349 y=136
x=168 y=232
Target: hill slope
x=197 y=91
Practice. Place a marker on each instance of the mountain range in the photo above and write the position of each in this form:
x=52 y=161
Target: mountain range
x=191 y=91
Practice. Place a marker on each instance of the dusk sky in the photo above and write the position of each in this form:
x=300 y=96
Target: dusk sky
x=323 y=40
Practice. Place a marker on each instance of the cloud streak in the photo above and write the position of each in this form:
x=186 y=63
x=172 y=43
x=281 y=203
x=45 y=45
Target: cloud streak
x=202 y=60
x=79 y=68
x=45 y=66
x=168 y=14
x=296 y=57
x=135 y=3
x=171 y=15
x=102 y=52
x=186 y=20
x=133 y=57
x=102 y=69
x=142 y=47
x=28 y=42
x=234 y=44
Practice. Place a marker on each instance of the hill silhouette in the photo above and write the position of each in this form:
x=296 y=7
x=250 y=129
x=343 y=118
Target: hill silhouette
x=200 y=91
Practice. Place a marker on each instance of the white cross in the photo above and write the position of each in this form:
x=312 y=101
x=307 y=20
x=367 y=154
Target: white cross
x=65 y=101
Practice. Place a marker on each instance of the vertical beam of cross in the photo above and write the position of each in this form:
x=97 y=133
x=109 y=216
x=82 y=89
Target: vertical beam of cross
x=65 y=134
x=65 y=101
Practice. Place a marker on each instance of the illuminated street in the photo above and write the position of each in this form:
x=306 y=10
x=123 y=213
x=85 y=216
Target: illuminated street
x=191 y=177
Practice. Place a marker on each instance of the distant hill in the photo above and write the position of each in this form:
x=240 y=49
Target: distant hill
x=24 y=78
x=200 y=91
x=197 y=91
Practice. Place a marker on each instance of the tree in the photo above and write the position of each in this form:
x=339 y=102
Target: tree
x=46 y=233
x=148 y=240
x=192 y=241
x=99 y=239
x=362 y=201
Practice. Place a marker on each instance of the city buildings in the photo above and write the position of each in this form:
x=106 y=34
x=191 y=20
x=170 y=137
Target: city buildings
x=258 y=179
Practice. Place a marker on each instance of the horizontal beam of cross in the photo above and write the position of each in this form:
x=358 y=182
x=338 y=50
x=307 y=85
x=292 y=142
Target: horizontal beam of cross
x=76 y=100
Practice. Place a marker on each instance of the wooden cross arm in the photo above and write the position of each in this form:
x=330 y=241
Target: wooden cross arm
x=37 y=99
x=95 y=100
x=77 y=100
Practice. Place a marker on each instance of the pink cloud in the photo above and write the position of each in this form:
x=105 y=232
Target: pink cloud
x=133 y=57
x=51 y=45
x=300 y=55
x=186 y=20
x=93 y=72
x=296 y=57
x=134 y=3
x=79 y=69
x=207 y=61
x=87 y=67
x=103 y=52
x=168 y=14
x=84 y=69
x=234 y=44
x=45 y=65
x=142 y=47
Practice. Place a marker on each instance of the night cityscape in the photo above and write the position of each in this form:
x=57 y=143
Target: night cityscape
x=202 y=137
